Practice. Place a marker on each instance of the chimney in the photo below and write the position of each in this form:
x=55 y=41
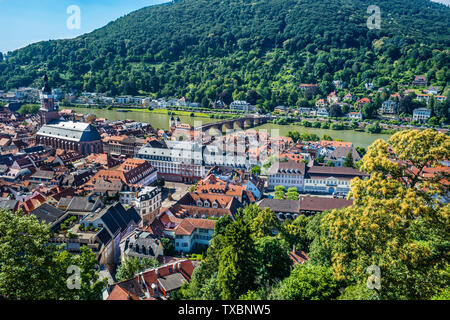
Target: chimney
x=293 y=248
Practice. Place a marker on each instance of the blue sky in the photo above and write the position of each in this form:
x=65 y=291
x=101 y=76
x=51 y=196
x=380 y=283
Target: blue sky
x=26 y=21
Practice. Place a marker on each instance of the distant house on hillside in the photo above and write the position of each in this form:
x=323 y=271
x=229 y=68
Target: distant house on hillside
x=333 y=98
x=321 y=103
x=423 y=97
x=310 y=89
x=433 y=90
x=420 y=81
x=281 y=109
x=241 y=106
x=355 y=115
x=338 y=84
x=389 y=107
x=421 y=114
x=369 y=86
x=362 y=102
x=219 y=104
x=305 y=86
x=323 y=112
x=348 y=97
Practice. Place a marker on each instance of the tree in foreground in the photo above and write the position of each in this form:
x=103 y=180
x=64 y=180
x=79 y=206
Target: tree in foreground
x=33 y=269
x=397 y=222
x=132 y=266
x=280 y=192
x=349 y=160
x=292 y=194
x=237 y=266
x=308 y=282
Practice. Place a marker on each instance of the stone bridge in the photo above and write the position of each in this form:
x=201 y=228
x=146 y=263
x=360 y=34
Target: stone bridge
x=231 y=124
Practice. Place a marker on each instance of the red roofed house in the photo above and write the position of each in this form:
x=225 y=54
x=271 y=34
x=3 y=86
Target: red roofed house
x=245 y=188
x=199 y=205
x=336 y=144
x=154 y=283
x=193 y=233
x=320 y=103
x=130 y=172
x=348 y=97
x=362 y=102
x=333 y=98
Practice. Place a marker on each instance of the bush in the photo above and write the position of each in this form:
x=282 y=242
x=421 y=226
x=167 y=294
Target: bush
x=374 y=128
x=337 y=126
x=29 y=109
x=325 y=125
x=306 y=124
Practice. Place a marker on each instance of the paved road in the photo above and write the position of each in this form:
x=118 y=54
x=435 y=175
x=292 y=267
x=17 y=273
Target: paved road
x=177 y=190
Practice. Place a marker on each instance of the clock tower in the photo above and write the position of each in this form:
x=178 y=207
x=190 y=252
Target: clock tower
x=49 y=110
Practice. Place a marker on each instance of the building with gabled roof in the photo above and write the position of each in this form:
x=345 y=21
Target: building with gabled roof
x=330 y=180
x=193 y=234
x=286 y=173
x=132 y=172
x=202 y=206
x=307 y=205
x=80 y=206
x=114 y=223
x=76 y=136
x=338 y=156
x=362 y=102
x=141 y=244
x=153 y=284
x=50 y=215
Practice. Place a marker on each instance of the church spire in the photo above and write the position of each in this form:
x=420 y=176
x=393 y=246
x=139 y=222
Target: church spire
x=46 y=89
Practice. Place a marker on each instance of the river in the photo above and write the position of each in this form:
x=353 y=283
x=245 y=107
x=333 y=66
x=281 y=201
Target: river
x=161 y=121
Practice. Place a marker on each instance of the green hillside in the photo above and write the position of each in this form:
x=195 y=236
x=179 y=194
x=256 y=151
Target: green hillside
x=244 y=49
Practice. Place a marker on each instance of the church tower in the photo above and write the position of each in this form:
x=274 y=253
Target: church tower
x=49 y=110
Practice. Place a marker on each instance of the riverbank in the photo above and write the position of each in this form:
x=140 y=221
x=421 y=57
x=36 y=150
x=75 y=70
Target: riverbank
x=177 y=111
x=358 y=138
x=160 y=120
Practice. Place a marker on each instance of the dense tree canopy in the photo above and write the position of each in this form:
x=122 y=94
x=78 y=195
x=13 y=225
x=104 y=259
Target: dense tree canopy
x=33 y=269
x=131 y=266
x=398 y=221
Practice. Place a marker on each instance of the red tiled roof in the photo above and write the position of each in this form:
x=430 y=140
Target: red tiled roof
x=185 y=267
x=335 y=144
x=364 y=100
x=298 y=257
x=188 y=226
x=119 y=293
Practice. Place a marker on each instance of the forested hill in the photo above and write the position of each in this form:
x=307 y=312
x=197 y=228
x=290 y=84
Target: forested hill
x=238 y=49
